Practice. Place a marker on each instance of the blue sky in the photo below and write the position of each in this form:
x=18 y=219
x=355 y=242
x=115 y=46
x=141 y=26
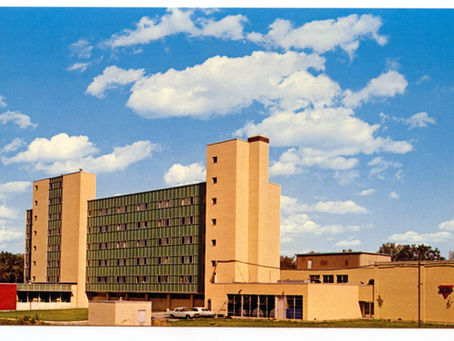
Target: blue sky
x=357 y=103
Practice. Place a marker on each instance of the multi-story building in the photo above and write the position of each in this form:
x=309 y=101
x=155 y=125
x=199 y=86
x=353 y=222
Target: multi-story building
x=214 y=243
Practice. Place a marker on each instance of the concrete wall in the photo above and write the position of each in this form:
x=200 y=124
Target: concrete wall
x=357 y=276
x=118 y=313
x=341 y=260
x=396 y=291
x=246 y=213
x=45 y=305
x=332 y=302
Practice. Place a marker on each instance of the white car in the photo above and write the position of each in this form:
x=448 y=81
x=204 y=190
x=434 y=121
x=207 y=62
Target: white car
x=204 y=312
x=183 y=312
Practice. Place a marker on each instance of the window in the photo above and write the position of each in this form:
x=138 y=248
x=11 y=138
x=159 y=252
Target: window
x=309 y=264
x=36 y=202
x=36 y=187
x=213 y=242
x=186 y=279
x=215 y=159
x=213 y=263
x=214 y=201
x=342 y=278
x=164 y=241
x=214 y=180
x=314 y=278
x=186 y=259
x=164 y=260
x=34 y=233
x=213 y=221
x=163 y=279
x=328 y=278
x=186 y=240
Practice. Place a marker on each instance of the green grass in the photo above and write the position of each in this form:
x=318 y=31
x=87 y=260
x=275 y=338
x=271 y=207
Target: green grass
x=48 y=315
x=262 y=323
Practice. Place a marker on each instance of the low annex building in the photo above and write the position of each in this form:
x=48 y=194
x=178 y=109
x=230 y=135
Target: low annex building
x=213 y=244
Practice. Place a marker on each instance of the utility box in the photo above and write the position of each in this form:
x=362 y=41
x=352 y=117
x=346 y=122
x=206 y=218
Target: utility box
x=119 y=313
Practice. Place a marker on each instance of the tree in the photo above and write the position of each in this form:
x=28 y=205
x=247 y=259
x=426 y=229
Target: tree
x=11 y=268
x=407 y=252
x=288 y=262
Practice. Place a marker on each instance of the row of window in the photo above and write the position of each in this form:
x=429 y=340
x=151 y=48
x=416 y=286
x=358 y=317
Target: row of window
x=187 y=259
x=140 y=279
x=329 y=278
x=137 y=243
x=141 y=224
x=144 y=206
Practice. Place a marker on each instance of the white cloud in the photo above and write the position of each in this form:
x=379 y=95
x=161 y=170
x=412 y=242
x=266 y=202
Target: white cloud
x=323 y=35
x=7 y=235
x=447 y=225
x=393 y=195
x=419 y=120
x=223 y=85
x=348 y=243
x=21 y=120
x=302 y=223
x=110 y=78
x=13 y=187
x=2 y=101
x=175 y=22
x=367 y=192
x=424 y=78
x=345 y=178
x=291 y=206
x=63 y=153
x=13 y=145
x=81 y=48
x=181 y=175
x=59 y=147
x=378 y=166
x=7 y=213
x=78 y=66
x=412 y=237
x=388 y=84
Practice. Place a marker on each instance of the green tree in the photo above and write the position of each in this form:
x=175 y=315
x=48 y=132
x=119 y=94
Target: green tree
x=11 y=268
x=288 y=262
x=411 y=252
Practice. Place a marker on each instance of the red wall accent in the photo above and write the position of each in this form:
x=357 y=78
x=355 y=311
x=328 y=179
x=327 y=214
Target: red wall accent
x=8 y=296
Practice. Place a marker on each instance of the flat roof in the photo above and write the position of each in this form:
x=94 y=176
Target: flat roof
x=315 y=254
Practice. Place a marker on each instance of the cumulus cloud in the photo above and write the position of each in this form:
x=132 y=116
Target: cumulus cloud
x=78 y=66
x=302 y=223
x=223 y=85
x=419 y=120
x=13 y=145
x=178 y=21
x=12 y=187
x=111 y=78
x=291 y=205
x=7 y=213
x=348 y=243
x=412 y=237
x=322 y=35
x=81 y=48
x=63 y=153
x=379 y=166
x=2 y=101
x=388 y=84
x=181 y=175
x=393 y=195
x=367 y=192
x=21 y=120
x=447 y=225
x=8 y=235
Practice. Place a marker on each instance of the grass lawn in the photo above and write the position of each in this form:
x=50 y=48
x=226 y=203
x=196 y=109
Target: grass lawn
x=261 y=323
x=49 y=315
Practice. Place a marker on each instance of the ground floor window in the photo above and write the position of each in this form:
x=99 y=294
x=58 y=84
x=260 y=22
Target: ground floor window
x=251 y=305
x=294 y=307
x=367 y=308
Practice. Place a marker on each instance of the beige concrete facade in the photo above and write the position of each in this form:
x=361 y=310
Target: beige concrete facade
x=119 y=313
x=242 y=215
x=38 y=251
x=338 y=260
x=77 y=189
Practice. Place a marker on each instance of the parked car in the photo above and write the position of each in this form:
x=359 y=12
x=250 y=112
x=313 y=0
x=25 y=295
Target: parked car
x=204 y=312
x=183 y=312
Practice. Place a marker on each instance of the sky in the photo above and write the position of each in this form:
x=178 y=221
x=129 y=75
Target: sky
x=358 y=105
